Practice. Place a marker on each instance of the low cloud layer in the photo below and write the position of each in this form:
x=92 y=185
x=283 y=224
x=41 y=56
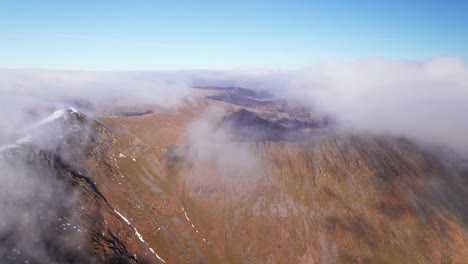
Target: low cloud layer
x=424 y=101
x=25 y=93
x=95 y=87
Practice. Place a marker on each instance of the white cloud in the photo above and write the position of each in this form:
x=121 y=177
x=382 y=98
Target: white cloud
x=425 y=101
x=23 y=90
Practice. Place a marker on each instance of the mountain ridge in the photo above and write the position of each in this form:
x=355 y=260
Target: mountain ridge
x=177 y=186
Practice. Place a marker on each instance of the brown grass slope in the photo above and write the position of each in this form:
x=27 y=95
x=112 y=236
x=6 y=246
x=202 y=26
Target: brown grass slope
x=334 y=199
x=329 y=199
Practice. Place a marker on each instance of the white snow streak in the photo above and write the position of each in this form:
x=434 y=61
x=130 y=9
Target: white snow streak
x=8 y=146
x=157 y=255
x=188 y=219
x=186 y=216
x=22 y=140
x=73 y=110
x=123 y=217
x=139 y=236
x=55 y=115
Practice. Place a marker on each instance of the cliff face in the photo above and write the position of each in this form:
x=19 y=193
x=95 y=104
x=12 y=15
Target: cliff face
x=167 y=187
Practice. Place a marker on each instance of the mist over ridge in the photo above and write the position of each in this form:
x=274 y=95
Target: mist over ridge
x=420 y=100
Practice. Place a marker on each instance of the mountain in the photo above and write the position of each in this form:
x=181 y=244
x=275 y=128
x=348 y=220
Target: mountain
x=231 y=176
x=82 y=225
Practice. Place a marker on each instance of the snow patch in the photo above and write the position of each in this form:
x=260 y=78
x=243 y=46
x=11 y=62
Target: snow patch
x=140 y=237
x=55 y=115
x=186 y=216
x=188 y=219
x=23 y=140
x=123 y=217
x=73 y=110
x=8 y=146
x=157 y=255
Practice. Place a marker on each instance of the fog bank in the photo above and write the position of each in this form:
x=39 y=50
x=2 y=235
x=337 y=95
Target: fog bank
x=424 y=101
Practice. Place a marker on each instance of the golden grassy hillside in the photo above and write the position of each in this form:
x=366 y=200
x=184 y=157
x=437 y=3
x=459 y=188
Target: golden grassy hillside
x=334 y=198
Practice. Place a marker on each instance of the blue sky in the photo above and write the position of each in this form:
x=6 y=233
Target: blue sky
x=169 y=35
